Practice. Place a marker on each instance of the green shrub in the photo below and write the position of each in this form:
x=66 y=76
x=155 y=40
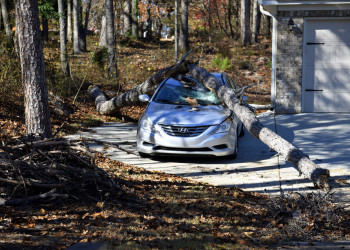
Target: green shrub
x=99 y=57
x=221 y=63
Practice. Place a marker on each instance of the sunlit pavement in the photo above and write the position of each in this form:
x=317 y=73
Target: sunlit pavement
x=324 y=137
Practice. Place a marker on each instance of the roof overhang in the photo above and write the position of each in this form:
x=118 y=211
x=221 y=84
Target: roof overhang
x=272 y=6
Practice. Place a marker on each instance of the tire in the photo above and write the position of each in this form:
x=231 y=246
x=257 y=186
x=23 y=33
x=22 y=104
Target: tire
x=242 y=131
x=143 y=155
x=234 y=155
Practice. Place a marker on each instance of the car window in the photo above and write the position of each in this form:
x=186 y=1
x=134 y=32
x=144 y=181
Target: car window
x=195 y=93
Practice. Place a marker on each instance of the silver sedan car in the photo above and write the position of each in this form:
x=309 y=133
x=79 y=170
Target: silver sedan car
x=185 y=118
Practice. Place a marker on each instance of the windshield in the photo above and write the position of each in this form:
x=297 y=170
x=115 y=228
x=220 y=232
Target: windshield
x=195 y=93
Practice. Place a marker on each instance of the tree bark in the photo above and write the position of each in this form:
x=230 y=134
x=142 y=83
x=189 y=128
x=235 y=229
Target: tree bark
x=76 y=45
x=183 y=41
x=127 y=18
x=176 y=30
x=63 y=40
x=5 y=18
x=82 y=34
x=69 y=21
x=245 y=22
x=108 y=107
x=292 y=154
x=256 y=21
x=37 y=116
x=134 y=28
x=103 y=35
x=45 y=29
x=149 y=21
x=112 y=61
x=87 y=15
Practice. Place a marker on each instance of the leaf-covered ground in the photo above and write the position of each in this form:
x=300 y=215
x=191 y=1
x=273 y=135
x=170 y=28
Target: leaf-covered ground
x=163 y=211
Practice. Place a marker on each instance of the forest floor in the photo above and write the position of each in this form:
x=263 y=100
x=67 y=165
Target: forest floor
x=137 y=209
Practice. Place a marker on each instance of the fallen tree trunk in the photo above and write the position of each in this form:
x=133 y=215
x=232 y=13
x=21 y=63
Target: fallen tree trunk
x=108 y=107
x=301 y=161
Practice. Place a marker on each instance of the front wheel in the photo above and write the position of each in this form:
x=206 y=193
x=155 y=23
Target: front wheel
x=241 y=133
x=143 y=155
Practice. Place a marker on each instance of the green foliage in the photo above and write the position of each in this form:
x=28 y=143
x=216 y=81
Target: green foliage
x=46 y=8
x=221 y=63
x=99 y=56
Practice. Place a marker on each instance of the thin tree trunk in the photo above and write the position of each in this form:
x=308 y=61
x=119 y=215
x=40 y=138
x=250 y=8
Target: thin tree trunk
x=107 y=107
x=209 y=21
x=176 y=30
x=256 y=21
x=69 y=21
x=149 y=21
x=63 y=40
x=76 y=45
x=229 y=17
x=82 y=34
x=5 y=18
x=245 y=22
x=134 y=18
x=268 y=26
x=301 y=161
x=87 y=14
x=103 y=35
x=183 y=41
x=37 y=116
x=45 y=29
x=127 y=18
x=112 y=61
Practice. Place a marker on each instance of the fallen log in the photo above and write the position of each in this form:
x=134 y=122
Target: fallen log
x=108 y=107
x=301 y=161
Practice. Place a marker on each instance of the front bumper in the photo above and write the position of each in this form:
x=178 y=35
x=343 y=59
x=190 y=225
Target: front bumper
x=158 y=142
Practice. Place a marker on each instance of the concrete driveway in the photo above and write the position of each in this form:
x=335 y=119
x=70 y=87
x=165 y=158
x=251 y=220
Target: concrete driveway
x=324 y=137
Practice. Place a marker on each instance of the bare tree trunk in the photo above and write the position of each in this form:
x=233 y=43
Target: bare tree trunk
x=183 y=41
x=245 y=22
x=37 y=116
x=103 y=35
x=256 y=21
x=69 y=21
x=268 y=26
x=176 y=30
x=134 y=18
x=112 y=61
x=108 y=107
x=301 y=161
x=45 y=28
x=149 y=21
x=229 y=17
x=63 y=40
x=76 y=45
x=4 y=13
x=87 y=14
x=127 y=18
x=82 y=34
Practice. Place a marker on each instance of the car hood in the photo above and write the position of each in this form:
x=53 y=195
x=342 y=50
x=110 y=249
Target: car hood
x=185 y=115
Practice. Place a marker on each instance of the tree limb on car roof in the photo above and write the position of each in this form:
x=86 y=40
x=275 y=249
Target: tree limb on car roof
x=301 y=161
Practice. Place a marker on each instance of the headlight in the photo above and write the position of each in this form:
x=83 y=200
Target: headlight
x=147 y=124
x=223 y=127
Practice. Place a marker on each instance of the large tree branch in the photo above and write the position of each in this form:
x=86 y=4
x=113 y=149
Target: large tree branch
x=301 y=161
x=107 y=107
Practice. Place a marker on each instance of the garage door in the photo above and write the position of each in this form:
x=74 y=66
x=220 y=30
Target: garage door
x=326 y=78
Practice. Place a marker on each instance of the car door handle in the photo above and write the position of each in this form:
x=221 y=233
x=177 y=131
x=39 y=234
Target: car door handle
x=314 y=90
x=314 y=43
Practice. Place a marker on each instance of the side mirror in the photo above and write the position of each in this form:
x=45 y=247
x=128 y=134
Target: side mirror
x=144 y=98
x=245 y=98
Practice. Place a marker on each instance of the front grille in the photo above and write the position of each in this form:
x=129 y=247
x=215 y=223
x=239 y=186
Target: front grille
x=183 y=131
